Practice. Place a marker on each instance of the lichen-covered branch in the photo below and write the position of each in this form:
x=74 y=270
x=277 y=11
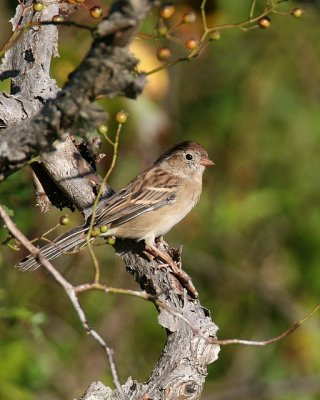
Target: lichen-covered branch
x=108 y=69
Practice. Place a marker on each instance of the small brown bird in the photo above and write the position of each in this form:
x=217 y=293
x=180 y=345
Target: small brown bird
x=148 y=207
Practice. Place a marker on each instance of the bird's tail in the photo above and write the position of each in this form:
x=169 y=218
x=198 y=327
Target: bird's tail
x=70 y=241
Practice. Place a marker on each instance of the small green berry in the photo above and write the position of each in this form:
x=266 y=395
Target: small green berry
x=38 y=6
x=64 y=220
x=102 y=129
x=161 y=29
x=103 y=228
x=111 y=240
x=57 y=18
x=95 y=232
x=121 y=117
x=215 y=35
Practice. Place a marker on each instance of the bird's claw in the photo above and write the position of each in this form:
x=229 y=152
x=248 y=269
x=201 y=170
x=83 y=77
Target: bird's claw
x=175 y=267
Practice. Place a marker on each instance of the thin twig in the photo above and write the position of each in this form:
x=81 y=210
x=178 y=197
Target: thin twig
x=43 y=235
x=284 y=334
x=248 y=24
x=203 y=14
x=63 y=23
x=20 y=29
x=252 y=9
x=95 y=204
x=167 y=65
x=199 y=332
x=69 y=289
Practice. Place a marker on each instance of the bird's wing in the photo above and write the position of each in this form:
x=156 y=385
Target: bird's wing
x=149 y=191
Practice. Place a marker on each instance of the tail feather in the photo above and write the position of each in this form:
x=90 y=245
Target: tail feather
x=69 y=241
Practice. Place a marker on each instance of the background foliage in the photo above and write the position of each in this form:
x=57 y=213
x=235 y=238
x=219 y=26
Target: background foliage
x=251 y=245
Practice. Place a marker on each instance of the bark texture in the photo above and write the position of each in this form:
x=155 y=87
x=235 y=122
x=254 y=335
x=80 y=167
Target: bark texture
x=108 y=69
x=182 y=367
x=36 y=114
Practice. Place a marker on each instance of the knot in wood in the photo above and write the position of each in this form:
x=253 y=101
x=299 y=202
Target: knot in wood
x=180 y=389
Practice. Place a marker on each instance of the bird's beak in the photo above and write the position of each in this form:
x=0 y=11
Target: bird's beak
x=206 y=162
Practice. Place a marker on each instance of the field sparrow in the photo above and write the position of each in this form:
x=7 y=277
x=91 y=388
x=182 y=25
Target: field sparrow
x=148 y=207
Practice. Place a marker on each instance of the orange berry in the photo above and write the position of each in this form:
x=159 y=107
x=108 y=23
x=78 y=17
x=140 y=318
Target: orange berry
x=164 y=53
x=167 y=11
x=80 y=1
x=96 y=12
x=264 y=22
x=121 y=117
x=191 y=44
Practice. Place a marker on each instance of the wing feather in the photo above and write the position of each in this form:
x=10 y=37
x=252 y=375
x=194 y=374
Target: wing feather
x=149 y=191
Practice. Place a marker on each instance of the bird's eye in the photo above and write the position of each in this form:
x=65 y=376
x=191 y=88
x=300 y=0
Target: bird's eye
x=189 y=156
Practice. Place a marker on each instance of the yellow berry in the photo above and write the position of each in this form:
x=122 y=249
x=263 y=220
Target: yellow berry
x=189 y=18
x=191 y=44
x=80 y=1
x=95 y=232
x=111 y=240
x=164 y=53
x=64 y=220
x=57 y=18
x=215 y=35
x=38 y=6
x=297 y=12
x=103 y=228
x=167 y=11
x=102 y=129
x=121 y=117
x=96 y=12
x=71 y=1
x=264 y=22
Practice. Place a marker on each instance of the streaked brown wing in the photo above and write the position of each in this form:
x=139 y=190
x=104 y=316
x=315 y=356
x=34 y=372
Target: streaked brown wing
x=149 y=191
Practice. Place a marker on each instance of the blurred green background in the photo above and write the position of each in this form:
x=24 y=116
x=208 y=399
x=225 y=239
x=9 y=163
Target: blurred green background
x=251 y=245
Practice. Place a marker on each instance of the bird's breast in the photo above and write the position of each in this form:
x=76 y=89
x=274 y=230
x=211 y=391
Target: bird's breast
x=171 y=214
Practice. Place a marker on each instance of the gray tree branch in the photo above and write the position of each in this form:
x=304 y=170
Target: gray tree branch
x=108 y=69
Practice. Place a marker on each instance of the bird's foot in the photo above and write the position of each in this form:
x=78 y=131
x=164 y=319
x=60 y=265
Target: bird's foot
x=175 y=267
x=148 y=254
